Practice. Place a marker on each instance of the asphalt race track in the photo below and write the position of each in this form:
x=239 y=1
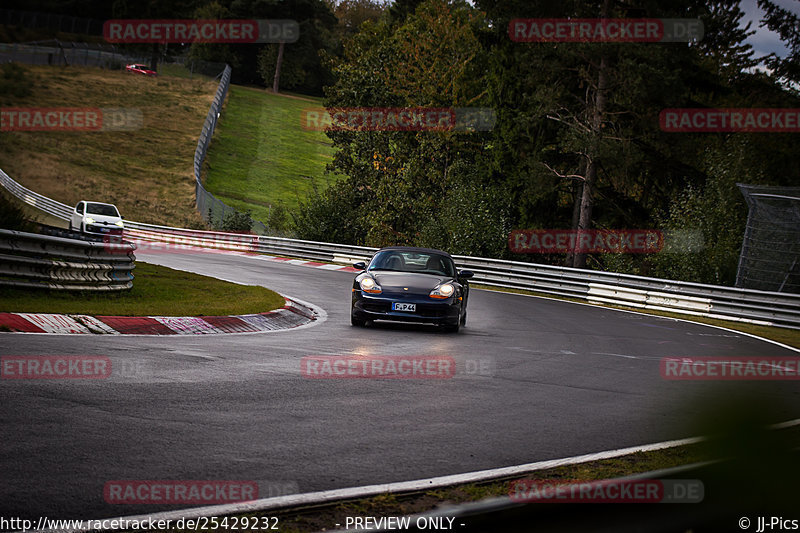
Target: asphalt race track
x=536 y=379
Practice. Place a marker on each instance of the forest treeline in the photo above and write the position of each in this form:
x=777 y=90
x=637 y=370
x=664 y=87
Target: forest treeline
x=577 y=141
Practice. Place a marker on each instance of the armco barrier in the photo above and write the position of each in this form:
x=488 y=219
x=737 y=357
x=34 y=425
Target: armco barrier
x=42 y=203
x=29 y=260
x=212 y=209
x=697 y=299
x=728 y=303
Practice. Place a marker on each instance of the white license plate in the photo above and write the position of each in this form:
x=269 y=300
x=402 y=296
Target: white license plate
x=401 y=306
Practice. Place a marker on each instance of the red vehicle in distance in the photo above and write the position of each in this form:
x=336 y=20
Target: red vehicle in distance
x=138 y=68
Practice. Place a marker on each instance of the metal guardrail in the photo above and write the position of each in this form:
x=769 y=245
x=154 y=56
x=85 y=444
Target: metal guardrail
x=42 y=203
x=31 y=260
x=727 y=303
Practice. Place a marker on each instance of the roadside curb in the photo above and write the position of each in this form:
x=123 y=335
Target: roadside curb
x=307 y=263
x=291 y=315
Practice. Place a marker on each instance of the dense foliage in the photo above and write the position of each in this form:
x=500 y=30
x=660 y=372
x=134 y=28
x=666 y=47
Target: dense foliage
x=577 y=141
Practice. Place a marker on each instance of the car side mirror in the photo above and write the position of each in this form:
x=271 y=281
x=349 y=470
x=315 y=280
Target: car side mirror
x=465 y=274
x=361 y=265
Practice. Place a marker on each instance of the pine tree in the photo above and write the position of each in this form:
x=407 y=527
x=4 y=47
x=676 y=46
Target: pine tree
x=787 y=25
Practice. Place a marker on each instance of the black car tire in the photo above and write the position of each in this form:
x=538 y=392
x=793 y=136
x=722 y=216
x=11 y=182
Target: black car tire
x=356 y=322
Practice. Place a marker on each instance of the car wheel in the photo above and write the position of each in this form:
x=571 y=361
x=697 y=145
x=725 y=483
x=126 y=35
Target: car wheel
x=464 y=318
x=356 y=322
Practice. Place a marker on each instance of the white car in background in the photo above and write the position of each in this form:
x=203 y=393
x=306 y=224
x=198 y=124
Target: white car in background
x=96 y=218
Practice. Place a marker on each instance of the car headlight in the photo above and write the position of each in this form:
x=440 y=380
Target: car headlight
x=368 y=285
x=118 y=223
x=89 y=220
x=443 y=291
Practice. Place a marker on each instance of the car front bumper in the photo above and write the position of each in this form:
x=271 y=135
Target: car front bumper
x=99 y=229
x=366 y=306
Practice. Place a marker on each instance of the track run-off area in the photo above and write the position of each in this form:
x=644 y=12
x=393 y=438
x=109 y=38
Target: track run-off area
x=535 y=379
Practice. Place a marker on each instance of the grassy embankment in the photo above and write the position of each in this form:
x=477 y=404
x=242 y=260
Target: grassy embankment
x=157 y=291
x=262 y=156
x=147 y=173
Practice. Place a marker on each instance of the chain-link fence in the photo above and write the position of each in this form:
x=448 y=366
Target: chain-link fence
x=106 y=56
x=214 y=210
x=770 y=257
x=194 y=67
x=55 y=52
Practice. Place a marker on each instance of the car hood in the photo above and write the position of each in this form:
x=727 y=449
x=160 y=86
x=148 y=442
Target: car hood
x=397 y=281
x=103 y=218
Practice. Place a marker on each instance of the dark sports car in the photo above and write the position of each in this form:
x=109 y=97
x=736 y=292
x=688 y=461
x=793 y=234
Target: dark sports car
x=411 y=285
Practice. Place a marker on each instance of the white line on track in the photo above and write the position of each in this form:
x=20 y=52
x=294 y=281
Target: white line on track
x=639 y=313
x=315 y=498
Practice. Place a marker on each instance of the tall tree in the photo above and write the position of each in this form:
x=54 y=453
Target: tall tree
x=566 y=113
x=154 y=9
x=301 y=67
x=583 y=131
x=724 y=41
x=351 y=14
x=787 y=25
x=408 y=183
x=213 y=52
x=400 y=9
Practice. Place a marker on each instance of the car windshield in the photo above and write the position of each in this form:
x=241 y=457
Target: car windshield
x=420 y=262
x=102 y=209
